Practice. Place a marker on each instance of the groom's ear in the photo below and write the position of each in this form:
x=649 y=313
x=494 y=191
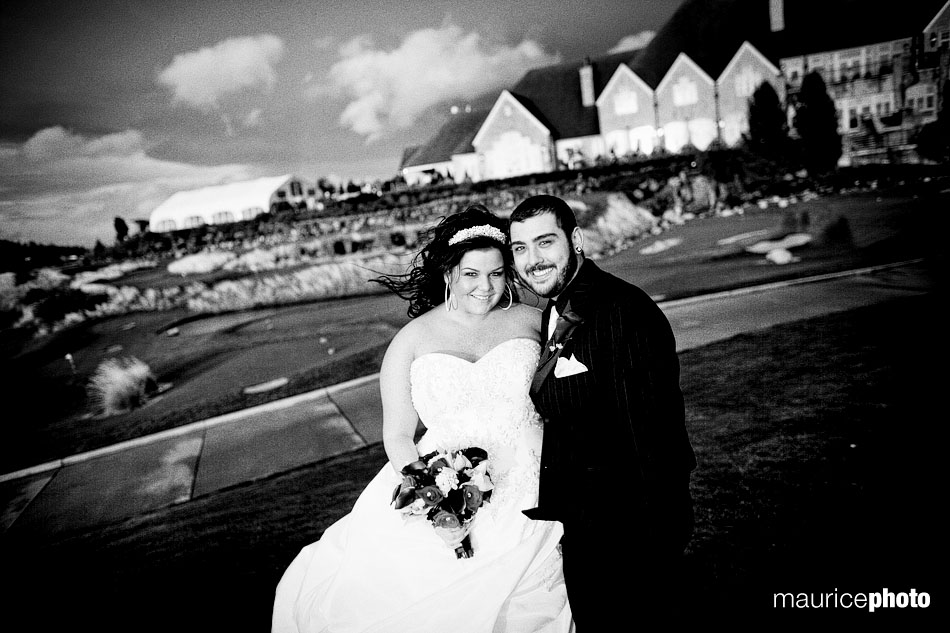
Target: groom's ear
x=577 y=239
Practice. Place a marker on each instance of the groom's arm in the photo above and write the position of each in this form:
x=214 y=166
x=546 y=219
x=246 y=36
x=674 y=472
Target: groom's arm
x=647 y=397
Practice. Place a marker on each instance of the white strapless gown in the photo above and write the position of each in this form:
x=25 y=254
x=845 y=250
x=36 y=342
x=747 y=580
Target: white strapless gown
x=375 y=571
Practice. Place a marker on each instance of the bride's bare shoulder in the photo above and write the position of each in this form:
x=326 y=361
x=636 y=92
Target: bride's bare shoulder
x=526 y=316
x=409 y=338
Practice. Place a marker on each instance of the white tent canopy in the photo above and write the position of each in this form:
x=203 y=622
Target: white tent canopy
x=231 y=202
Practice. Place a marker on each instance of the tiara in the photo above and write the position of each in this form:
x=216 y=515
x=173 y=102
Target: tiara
x=483 y=230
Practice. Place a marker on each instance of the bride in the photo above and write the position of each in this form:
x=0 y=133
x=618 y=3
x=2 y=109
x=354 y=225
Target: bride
x=464 y=369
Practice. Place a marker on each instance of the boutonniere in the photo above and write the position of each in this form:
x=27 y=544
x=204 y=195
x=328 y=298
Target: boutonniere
x=564 y=328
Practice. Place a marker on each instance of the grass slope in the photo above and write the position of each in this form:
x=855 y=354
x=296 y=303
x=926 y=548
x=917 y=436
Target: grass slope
x=817 y=471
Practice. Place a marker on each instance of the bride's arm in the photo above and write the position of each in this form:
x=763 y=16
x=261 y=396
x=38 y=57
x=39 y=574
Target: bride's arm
x=399 y=416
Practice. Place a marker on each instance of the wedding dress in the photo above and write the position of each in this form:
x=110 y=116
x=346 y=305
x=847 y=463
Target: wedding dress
x=376 y=571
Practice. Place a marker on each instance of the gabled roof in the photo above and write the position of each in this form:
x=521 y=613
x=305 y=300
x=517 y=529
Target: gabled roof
x=933 y=22
x=755 y=53
x=553 y=94
x=684 y=60
x=623 y=71
x=233 y=197
x=407 y=155
x=454 y=137
x=711 y=31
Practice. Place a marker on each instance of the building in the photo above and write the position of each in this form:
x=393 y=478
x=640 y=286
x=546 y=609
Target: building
x=884 y=67
x=449 y=153
x=232 y=202
x=885 y=72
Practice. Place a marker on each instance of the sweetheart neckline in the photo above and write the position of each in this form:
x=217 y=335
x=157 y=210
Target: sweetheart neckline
x=476 y=361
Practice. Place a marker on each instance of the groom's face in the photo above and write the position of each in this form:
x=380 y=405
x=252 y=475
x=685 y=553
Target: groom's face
x=544 y=255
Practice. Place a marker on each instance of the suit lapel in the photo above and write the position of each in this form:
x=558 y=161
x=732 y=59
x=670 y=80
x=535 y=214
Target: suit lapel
x=579 y=295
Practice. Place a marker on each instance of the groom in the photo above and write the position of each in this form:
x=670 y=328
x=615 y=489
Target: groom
x=616 y=457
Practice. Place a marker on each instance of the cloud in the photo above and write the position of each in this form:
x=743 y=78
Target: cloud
x=633 y=42
x=64 y=188
x=55 y=143
x=390 y=89
x=202 y=78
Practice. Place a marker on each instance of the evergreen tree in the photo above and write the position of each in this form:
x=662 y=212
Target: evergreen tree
x=121 y=230
x=768 y=130
x=817 y=124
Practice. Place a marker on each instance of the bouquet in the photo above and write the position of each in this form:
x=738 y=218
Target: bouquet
x=448 y=488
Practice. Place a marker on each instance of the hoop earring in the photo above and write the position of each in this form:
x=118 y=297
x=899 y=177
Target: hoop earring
x=511 y=297
x=447 y=305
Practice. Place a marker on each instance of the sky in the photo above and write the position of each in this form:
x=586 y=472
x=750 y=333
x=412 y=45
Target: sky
x=107 y=107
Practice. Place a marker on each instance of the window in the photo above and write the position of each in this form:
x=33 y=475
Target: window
x=930 y=102
x=222 y=217
x=166 y=225
x=685 y=92
x=747 y=80
x=194 y=220
x=852 y=118
x=626 y=102
x=295 y=188
x=250 y=213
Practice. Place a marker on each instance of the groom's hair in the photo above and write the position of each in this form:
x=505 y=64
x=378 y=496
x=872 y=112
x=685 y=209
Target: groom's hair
x=536 y=205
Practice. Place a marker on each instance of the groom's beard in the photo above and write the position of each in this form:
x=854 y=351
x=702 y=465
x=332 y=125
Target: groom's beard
x=563 y=278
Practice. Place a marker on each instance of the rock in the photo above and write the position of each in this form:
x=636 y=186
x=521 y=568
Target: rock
x=780 y=256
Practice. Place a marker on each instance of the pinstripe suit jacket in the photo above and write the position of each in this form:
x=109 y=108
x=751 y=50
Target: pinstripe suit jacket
x=622 y=420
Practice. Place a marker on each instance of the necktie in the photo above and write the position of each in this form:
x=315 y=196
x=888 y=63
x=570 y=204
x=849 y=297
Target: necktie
x=552 y=321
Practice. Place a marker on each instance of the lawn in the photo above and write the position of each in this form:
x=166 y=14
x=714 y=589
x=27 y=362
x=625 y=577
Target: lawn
x=213 y=359
x=817 y=452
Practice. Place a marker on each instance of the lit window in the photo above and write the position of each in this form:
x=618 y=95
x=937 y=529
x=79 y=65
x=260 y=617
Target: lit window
x=747 y=81
x=222 y=217
x=685 y=92
x=626 y=102
x=193 y=221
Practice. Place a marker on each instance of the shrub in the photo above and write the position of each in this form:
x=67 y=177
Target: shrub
x=121 y=384
x=837 y=231
x=53 y=305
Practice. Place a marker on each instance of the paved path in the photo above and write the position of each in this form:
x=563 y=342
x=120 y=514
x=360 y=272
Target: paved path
x=173 y=467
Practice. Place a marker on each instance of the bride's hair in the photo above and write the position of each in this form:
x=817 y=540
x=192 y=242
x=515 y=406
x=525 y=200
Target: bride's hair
x=424 y=285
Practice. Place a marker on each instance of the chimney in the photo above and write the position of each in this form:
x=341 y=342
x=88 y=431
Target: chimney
x=587 y=84
x=777 y=15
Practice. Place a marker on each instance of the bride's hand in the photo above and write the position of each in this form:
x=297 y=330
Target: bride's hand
x=453 y=536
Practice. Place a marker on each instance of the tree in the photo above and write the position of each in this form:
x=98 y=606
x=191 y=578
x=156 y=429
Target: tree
x=768 y=130
x=817 y=124
x=933 y=140
x=121 y=230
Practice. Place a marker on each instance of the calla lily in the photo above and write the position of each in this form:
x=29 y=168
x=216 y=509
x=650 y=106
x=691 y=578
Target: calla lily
x=461 y=462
